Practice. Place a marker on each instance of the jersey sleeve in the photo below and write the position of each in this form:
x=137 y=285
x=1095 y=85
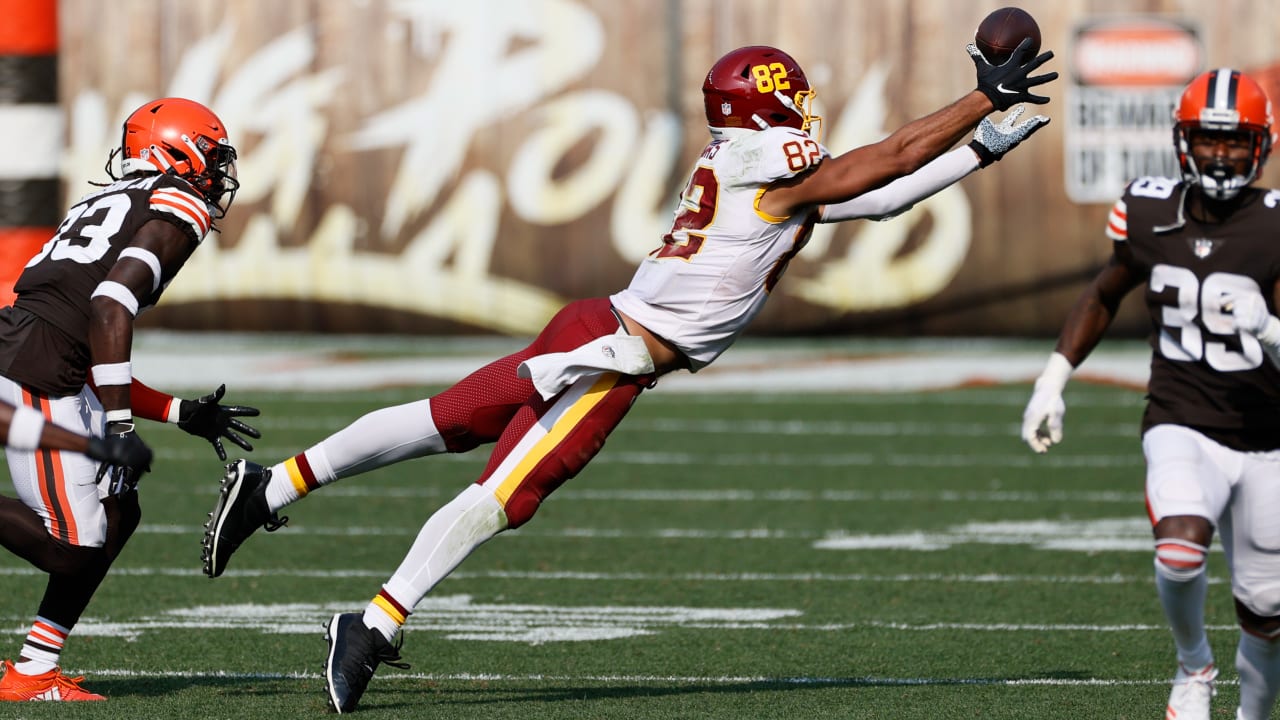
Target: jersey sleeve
x=775 y=154
x=179 y=204
x=1118 y=221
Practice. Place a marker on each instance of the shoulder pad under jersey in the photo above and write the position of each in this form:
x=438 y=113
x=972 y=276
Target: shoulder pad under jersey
x=761 y=157
x=1150 y=201
x=176 y=199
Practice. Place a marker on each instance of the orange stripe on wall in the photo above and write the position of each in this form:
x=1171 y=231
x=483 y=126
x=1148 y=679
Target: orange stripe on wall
x=30 y=27
x=17 y=245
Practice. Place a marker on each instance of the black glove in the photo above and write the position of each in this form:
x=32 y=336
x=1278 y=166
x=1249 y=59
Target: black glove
x=991 y=141
x=211 y=421
x=125 y=457
x=1009 y=84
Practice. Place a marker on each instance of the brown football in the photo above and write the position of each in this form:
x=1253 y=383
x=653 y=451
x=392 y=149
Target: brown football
x=1000 y=33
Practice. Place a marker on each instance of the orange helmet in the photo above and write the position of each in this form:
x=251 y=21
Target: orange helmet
x=184 y=138
x=1222 y=100
x=758 y=87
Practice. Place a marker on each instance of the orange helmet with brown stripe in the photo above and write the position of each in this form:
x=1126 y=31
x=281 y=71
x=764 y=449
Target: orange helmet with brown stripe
x=184 y=138
x=1223 y=101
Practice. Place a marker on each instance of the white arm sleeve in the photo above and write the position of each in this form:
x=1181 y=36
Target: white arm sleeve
x=899 y=195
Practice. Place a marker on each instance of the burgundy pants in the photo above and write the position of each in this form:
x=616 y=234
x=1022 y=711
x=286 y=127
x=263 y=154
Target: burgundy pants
x=540 y=443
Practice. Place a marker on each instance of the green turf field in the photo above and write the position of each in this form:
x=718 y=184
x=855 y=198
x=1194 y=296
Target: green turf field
x=816 y=556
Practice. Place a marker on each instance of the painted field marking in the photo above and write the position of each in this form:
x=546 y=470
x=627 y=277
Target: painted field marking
x=451 y=617
x=1128 y=534
x=1125 y=534
x=574 y=575
x=796 y=427
x=866 y=681
x=729 y=495
x=767 y=459
x=459 y=618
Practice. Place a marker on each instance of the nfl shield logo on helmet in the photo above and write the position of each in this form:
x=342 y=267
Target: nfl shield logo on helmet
x=726 y=108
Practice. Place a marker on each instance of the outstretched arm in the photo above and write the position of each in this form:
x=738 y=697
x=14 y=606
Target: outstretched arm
x=915 y=144
x=204 y=417
x=990 y=143
x=155 y=252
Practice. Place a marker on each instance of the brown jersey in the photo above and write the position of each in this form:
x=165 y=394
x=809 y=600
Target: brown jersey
x=44 y=336
x=1204 y=374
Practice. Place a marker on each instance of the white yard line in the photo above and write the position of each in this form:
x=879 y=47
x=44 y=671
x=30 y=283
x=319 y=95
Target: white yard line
x=195 y=360
x=861 y=459
x=868 y=681
x=560 y=576
x=737 y=495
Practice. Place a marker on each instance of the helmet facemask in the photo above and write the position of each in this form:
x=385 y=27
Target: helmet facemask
x=218 y=182
x=1220 y=177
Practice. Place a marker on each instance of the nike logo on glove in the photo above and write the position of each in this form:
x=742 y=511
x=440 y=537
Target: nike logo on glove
x=1002 y=89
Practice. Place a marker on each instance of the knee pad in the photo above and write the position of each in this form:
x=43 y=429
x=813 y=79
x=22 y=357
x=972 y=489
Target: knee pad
x=1180 y=560
x=1257 y=625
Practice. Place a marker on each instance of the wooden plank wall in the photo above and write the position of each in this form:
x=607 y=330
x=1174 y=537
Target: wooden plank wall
x=434 y=166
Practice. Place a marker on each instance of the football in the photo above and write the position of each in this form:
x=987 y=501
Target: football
x=1000 y=33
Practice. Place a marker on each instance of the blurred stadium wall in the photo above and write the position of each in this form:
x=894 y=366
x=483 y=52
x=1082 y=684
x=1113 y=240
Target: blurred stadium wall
x=430 y=166
x=30 y=133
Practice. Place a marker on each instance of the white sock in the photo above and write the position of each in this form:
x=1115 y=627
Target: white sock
x=42 y=648
x=447 y=538
x=1258 y=662
x=386 y=614
x=374 y=440
x=1183 y=602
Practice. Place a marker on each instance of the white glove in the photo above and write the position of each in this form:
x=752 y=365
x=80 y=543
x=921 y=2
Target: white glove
x=1248 y=313
x=991 y=142
x=1042 y=420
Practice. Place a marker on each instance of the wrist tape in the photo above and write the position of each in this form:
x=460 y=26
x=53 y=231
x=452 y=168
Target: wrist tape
x=1056 y=373
x=120 y=373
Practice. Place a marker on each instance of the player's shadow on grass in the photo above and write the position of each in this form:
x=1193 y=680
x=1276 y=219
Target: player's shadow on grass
x=231 y=687
x=485 y=693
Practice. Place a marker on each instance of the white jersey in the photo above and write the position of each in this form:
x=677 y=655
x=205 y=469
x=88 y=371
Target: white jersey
x=723 y=255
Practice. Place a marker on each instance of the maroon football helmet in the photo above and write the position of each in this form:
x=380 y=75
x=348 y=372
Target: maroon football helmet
x=758 y=87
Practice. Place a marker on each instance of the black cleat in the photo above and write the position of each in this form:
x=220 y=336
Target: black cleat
x=241 y=509
x=355 y=651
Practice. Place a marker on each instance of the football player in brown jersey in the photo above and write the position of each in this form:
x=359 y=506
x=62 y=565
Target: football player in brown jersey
x=1205 y=246
x=754 y=195
x=65 y=350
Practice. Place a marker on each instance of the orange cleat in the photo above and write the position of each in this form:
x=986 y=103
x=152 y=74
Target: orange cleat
x=52 y=685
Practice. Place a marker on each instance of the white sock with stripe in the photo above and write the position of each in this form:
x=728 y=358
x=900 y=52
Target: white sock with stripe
x=447 y=538
x=374 y=440
x=42 y=648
